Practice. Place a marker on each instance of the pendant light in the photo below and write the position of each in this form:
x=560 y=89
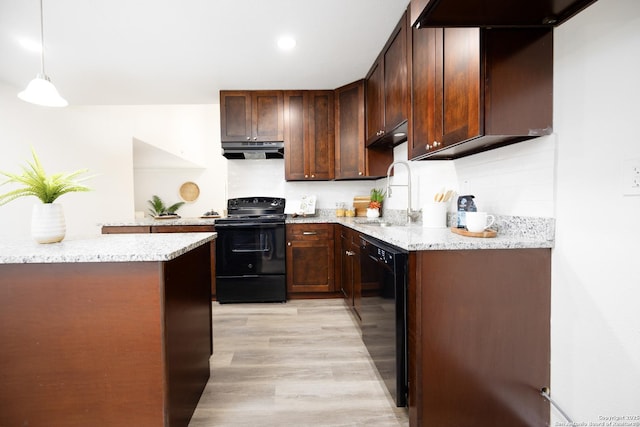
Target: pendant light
x=40 y=90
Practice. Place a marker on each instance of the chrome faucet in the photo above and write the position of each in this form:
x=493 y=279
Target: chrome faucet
x=411 y=215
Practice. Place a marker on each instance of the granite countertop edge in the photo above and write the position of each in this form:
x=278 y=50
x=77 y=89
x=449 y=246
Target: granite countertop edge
x=514 y=232
x=154 y=222
x=152 y=247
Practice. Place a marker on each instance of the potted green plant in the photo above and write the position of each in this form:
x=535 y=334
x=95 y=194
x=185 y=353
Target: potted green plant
x=158 y=209
x=47 y=220
x=375 y=203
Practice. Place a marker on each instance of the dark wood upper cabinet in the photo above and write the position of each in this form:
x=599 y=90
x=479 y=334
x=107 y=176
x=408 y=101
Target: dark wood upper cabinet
x=388 y=96
x=494 y=13
x=252 y=115
x=352 y=159
x=295 y=158
x=309 y=152
x=477 y=89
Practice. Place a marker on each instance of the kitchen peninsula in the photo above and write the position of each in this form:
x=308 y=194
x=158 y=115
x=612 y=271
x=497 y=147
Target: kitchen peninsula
x=111 y=330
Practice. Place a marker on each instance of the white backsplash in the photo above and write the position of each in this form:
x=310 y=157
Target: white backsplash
x=266 y=178
x=514 y=180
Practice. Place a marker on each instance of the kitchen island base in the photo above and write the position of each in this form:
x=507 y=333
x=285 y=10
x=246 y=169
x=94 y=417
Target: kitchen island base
x=105 y=343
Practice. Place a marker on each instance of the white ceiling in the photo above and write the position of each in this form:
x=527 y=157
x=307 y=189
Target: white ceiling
x=184 y=51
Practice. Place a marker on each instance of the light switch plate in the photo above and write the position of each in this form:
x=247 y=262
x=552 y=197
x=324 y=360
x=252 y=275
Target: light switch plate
x=631 y=177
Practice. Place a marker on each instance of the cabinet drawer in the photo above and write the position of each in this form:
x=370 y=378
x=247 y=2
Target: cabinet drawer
x=310 y=231
x=125 y=229
x=182 y=228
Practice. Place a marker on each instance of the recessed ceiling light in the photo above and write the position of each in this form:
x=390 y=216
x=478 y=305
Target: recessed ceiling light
x=286 y=43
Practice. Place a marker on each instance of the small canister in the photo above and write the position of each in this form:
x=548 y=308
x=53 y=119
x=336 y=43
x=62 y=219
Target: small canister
x=340 y=209
x=465 y=204
x=351 y=211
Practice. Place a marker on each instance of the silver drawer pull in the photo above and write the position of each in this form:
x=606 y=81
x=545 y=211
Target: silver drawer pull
x=309 y=233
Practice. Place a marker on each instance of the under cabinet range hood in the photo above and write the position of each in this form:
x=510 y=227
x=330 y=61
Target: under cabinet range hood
x=253 y=150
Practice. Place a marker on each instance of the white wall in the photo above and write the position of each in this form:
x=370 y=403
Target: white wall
x=100 y=138
x=189 y=132
x=596 y=281
x=66 y=140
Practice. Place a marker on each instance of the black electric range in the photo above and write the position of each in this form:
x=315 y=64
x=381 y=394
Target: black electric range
x=250 y=251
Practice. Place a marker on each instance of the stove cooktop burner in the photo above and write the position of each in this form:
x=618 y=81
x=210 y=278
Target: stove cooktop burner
x=255 y=209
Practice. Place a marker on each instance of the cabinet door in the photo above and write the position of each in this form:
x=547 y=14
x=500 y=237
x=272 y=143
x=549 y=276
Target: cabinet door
x=235 y=115
x=446 y=88
x=458 y=85
x=422 y=131
x=309 y=135
x=357 y=275
x=295 y=161
x=497 y=329
x=320 y=141
x=267 y=116
x=346 y=269
x=349 y=136
x=374 y=107
x=310 y=258
x=353 y=159
x=396 y=82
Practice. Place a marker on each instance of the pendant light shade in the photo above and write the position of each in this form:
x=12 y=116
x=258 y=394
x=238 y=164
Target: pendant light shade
x=40 y=90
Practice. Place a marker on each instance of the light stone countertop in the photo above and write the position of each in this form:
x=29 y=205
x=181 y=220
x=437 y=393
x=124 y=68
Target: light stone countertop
x=104 y=248
x=152 y=221
x=513 y=233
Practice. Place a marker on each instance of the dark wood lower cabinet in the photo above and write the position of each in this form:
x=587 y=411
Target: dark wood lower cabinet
x=310 y=260
x=351 y=275
x=187 y=228
x=479 y=343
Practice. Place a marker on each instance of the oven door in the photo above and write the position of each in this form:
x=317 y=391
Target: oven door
x=249 y=249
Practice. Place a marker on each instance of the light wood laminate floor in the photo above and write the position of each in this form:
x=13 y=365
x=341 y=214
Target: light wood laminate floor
x=302 y=363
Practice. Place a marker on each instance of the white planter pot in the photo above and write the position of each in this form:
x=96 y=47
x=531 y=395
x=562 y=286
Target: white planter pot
x=373 y=213
x=47 y=223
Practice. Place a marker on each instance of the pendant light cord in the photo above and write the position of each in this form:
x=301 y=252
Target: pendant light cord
x=42 y=39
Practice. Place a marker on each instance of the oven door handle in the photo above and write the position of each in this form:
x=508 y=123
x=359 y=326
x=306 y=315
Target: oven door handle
x=245 y=251
x=248 y=225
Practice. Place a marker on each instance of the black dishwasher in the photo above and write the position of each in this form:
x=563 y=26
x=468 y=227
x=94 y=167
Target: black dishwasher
x=383 y=312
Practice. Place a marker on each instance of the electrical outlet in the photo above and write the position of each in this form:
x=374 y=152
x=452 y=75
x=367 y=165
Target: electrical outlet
x=631 y=177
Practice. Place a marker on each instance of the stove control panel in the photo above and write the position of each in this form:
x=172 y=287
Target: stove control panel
x=256 y=204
